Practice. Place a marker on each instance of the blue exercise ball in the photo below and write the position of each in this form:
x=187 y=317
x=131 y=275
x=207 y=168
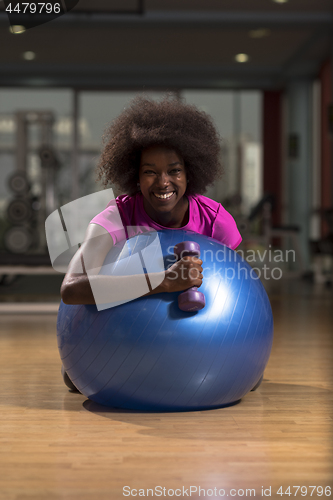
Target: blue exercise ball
x=147 y=354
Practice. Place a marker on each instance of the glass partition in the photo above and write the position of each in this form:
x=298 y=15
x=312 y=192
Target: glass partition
x=44 y=159
x=237 y=116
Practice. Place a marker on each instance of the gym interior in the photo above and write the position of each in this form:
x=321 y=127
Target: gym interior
x=262 y=69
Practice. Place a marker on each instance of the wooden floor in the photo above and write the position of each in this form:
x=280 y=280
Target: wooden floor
x=58 y=445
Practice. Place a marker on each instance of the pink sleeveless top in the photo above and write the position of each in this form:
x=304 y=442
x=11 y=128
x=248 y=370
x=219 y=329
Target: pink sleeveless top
x=206 y=217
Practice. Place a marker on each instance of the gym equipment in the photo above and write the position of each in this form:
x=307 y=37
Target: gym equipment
x=48 y=157
x=19 y=210
x=191 y=299
x=149 y=355
x=18 y=239
x=27 y=212
x=18 y=183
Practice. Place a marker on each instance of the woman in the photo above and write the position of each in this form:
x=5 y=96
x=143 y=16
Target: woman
x=163 y=155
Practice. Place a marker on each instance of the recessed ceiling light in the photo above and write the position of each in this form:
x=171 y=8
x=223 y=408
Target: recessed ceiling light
x=280 y=1
x=29 y=55
x=242 y=58
x=259 y=33
x=16 y=29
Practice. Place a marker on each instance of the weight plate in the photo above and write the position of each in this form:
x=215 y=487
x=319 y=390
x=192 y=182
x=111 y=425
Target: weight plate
x=47 y=156
x=19 y=211
x=17 y=239
x=18 y=183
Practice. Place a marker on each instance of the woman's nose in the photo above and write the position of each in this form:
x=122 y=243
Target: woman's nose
x=163 y=179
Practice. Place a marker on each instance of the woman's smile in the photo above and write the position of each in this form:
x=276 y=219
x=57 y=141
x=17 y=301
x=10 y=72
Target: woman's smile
x=164 y=197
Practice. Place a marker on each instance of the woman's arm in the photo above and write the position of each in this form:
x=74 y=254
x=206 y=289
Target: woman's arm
x=83 y=285
x=75 y=288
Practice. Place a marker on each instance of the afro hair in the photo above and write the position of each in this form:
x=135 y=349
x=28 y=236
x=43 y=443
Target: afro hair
x=170 y=123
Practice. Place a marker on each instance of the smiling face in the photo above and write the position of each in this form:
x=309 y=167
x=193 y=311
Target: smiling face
x=163 y=182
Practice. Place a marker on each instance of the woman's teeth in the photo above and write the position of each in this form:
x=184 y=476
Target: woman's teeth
x=164 y=196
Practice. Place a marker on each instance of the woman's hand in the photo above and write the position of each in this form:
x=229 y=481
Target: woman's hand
x=183 y=274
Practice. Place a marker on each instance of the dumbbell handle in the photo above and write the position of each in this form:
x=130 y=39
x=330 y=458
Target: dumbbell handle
x=191 y=299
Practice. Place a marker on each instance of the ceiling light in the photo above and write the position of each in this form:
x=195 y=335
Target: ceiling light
x=242 y=58
x=29 y=55
x=280 y=1
x=16 y=29
x=259 y=33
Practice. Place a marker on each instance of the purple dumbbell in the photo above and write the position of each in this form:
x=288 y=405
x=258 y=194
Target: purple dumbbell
x=191 y=299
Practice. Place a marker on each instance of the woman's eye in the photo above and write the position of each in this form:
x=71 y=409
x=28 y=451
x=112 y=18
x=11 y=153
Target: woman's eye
x=175 y=170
